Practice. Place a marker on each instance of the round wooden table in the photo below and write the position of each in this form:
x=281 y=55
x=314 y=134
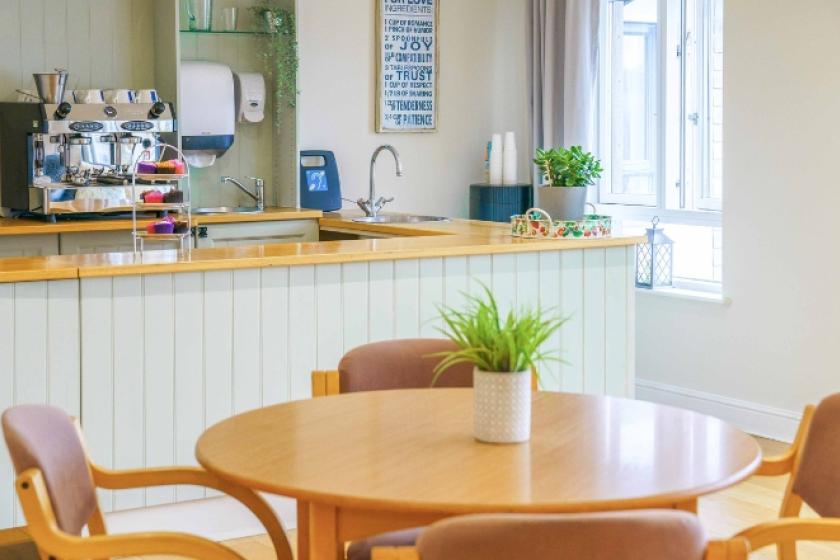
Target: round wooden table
x=366 y=463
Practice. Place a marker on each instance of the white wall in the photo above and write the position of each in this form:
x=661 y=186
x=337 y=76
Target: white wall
x=774 y=349
x=482 y=89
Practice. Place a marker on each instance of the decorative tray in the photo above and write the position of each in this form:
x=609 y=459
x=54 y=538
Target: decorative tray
x=537 y=224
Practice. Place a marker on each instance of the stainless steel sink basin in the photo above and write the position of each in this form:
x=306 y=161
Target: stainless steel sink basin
x=227 y=210
x=399 y=219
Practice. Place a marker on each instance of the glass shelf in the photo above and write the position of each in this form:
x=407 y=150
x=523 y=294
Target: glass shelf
x=219 y=32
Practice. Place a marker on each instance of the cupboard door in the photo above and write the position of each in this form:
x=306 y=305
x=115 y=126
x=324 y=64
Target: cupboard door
x=28 y=245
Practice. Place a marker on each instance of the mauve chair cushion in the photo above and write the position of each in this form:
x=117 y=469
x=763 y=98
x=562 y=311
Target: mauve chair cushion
x=399 y=364
x=361 y=550
x=45 y=438
x=818 y=477
x=644 y=535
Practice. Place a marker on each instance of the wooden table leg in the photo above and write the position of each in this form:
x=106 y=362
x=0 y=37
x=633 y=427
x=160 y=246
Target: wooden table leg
x=323 y=533
x=302 y=530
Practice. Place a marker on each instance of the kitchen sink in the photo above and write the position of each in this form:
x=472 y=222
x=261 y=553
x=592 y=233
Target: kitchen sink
x=399 y=219
x=227 y=210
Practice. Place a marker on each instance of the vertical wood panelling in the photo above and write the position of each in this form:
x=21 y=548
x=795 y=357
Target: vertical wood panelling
x=303 y=334
x=594 y=327
x=165 y=356
x=97 y=373
x=189 y=373
x=159 y=337
x=129 y=384
x=527 y=280
x=571 y=306
x=550 y=292
x=7 y=391
x=615 y=322
x=381 y=301
x=354 y=305
x=218 y=353
x=63 y=346
x=480 y=272
x=431 y=297
x=504 y=281
x=32 y=33
x=102 y=43
x=275 y=335
x=328 y=279
x=407 y=299
x=30 y=342
x=247 y=379
x=630 y=325
x=456 y=281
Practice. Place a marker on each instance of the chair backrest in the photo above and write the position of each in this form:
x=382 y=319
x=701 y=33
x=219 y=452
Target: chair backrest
x=643 y=535
x=818 y=475
x=45 y=438
x=399 y=364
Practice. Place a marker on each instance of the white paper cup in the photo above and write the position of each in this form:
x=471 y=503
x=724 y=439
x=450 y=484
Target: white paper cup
x=88 y=96
x=146 y=96
x=118 y=96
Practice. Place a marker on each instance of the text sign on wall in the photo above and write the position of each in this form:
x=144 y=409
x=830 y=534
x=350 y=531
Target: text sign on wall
x=407 y=65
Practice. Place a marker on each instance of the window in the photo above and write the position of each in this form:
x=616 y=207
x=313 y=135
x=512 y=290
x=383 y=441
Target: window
x=661 y=124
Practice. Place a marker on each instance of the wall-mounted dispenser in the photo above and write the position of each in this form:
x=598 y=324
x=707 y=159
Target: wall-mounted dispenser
x=207 y=111
x=250 y=97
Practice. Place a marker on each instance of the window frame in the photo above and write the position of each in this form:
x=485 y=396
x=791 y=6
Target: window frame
x=665 y=203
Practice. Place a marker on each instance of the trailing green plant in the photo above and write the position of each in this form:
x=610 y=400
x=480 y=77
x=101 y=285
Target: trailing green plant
x=281 y=51
x=493 y=342
x=569 y=167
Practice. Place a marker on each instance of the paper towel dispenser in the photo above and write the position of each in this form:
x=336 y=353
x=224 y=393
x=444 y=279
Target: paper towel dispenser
x=207 y=111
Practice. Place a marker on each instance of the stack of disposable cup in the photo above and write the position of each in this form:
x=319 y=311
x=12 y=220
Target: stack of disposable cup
x=496 y=160
x=510 y=160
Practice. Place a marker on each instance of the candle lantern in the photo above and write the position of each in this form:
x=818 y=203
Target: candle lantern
x=655 y=259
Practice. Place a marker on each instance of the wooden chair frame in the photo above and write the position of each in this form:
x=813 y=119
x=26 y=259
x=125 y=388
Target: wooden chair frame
x=788 y=464
x=327 y=383
x=737 y=548
x=53 y=543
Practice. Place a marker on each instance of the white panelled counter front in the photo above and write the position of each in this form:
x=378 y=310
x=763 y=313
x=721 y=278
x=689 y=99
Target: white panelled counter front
x=150 y=350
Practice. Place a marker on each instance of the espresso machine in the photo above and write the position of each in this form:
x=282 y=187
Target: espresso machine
x=75 y=159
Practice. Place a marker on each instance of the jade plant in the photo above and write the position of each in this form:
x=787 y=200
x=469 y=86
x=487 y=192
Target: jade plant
x=281 y=51
x=568 y=167
x=493 y=341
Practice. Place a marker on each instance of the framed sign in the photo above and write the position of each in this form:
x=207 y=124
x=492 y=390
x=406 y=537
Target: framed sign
x=407 y=65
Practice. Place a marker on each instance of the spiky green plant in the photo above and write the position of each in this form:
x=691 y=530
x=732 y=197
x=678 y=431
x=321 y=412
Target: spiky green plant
x=494 y=343
x=570 y=167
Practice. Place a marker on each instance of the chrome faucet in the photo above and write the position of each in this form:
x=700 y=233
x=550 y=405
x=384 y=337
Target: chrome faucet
x=259 y=189
x=372 y=205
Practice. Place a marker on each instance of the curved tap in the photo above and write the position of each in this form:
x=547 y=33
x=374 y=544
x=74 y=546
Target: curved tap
x=372 y=205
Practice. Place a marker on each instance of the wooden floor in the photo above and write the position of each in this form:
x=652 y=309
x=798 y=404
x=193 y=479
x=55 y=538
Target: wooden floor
x=755 y=501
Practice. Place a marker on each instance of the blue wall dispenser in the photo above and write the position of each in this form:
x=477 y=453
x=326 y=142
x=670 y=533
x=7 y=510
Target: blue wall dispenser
x=320 y=186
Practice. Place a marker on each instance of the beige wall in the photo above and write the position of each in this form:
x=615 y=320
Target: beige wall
x=774 y=348
x=482 y=90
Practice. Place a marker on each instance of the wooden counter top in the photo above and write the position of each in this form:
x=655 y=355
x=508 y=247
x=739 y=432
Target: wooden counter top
x=456 y=238
x=34 y=226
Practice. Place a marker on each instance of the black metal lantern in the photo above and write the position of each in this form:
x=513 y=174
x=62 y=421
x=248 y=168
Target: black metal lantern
x=655 y=260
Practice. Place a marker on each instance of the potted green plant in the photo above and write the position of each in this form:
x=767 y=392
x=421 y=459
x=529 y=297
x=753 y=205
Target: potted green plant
x=568 y=173
x=280 y=51
x=504 y=351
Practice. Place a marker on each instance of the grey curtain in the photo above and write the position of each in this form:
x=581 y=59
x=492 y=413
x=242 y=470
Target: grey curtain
x=563 y=71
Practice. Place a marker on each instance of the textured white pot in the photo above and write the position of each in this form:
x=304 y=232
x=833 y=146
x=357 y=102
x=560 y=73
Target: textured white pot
x=501 y=406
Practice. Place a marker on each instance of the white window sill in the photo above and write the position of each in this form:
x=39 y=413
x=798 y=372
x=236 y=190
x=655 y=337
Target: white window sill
x=688 y=295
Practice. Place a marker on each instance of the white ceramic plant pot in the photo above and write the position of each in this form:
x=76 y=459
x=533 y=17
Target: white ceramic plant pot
x=501 y=406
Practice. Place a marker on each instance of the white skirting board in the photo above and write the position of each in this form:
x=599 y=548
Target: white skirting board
x=754 y=418
x=217 y=519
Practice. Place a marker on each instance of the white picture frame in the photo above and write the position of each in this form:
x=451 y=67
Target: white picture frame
x=407 y=65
